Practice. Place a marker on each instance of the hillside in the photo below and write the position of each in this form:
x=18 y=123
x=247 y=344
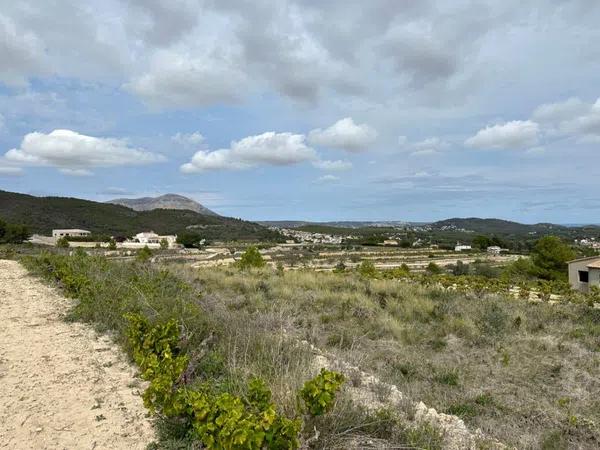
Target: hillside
x=498 y=226
x=167 y=201
x=42 y=214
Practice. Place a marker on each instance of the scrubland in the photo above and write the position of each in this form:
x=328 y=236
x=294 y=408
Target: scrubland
x=524 y=373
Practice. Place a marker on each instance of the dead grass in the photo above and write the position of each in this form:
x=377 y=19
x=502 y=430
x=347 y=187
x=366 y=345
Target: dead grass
x=523 y=373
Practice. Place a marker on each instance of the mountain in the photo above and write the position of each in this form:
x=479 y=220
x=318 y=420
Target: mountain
x=167 y=201
x=42 y=214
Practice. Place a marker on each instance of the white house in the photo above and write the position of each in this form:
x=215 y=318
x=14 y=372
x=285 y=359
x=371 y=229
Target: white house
x=150 y=237
x=584 y=273
x=147 y=237
x=71 y=232
x=461 y=247
x=494 y=250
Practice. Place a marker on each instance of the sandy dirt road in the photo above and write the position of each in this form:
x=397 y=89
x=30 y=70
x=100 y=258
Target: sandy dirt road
x=62 y=386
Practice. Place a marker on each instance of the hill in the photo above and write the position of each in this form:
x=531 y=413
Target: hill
x=167 y=201
x=42 y=214
x=497 y=226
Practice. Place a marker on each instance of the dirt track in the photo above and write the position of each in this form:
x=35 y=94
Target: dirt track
x=61 y=385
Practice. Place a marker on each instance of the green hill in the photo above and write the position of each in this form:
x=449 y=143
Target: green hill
x=42 y=214
x=498 y=226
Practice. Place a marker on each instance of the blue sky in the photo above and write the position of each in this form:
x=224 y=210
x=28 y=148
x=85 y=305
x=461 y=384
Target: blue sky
x=295 y=109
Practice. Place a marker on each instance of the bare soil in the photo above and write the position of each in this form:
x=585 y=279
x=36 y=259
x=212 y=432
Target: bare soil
x=62 y=386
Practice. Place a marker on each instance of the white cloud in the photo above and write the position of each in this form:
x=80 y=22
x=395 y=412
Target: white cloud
x=510 y=135
x=75 y=153
x=188 y=139
x=344 y=134
x=337 y=165
x=430 y=146
x=327 y=179
x=275 y=149
x=186 y=80
x=557 y=112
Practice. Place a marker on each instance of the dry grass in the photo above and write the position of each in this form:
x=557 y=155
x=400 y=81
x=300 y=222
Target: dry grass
x=524 y=373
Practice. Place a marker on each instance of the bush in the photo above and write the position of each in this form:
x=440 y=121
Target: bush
x=63 y=242
x=319 y=393
x=144 y=254
x=251 y=258
x=433 y=269
x=367 y=269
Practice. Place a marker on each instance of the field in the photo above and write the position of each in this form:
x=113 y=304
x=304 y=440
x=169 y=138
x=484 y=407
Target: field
x=523 y=373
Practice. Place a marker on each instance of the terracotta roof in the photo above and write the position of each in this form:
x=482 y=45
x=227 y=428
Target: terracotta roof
x=594 y=265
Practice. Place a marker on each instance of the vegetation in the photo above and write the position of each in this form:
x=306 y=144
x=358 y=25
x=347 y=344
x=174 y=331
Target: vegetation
x=11 y=233
x=550 y=256
x=42 y=214
x=251 y=258
x=209 y=364
x=470 y=344
x=63 y=242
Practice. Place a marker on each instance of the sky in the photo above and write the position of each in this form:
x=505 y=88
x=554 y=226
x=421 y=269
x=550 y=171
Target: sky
x=308 y=110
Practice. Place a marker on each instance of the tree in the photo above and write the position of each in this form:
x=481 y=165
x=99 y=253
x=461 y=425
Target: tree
x=549 y=256
x=112 y=244
x=164 y=244
x=251 y=258
x=63 y=242
x=189 y=239
x=12 y=233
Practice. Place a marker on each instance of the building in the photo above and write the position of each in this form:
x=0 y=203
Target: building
x=494 y=250
x=150 y=237
x=390 y=242
x=147 y=237
x=461 y=247
x=584 y=273
x=70 y=232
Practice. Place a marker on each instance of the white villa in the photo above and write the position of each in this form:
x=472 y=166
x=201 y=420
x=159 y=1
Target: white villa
x=71 y=232
x=153 y=240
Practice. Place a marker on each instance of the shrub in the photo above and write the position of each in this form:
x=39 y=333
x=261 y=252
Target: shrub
x=112 y=244
x=433 y=269
x=144 y=254
x=63 y=242
x=164 y=244
x=319 y=393
x=251 y=258
x=367 y=269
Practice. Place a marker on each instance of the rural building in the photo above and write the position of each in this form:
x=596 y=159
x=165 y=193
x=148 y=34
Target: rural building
x=71 y=232
x=150 y=237
x=147 y=237
x=494 y=250
x=390 y=242
x=460 y=247
x=584 y=273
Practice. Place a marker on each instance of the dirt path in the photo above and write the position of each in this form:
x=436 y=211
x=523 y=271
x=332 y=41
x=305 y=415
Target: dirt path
x=61 y=385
